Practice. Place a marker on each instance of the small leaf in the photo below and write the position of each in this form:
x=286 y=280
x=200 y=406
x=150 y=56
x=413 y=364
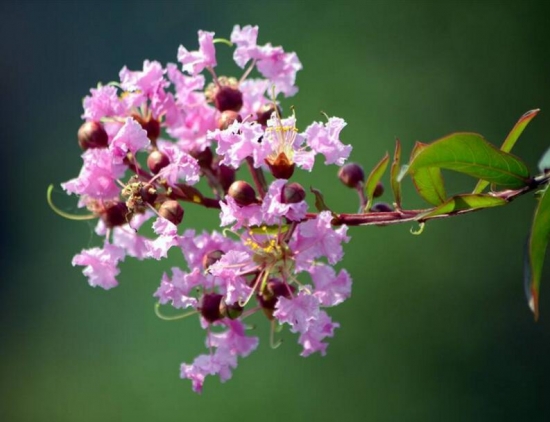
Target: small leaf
x=538 y=241
x=464 y=202
x=469 y=153
x=319 y=200
x=394 y=173
x=510 y=141
x=428 y=180
x=373 y=179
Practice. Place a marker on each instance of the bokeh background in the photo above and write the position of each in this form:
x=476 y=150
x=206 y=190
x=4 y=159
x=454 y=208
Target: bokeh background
x=437 y=327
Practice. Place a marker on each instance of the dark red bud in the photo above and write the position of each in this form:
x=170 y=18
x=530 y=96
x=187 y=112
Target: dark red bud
x=211 y=258
x=115 y=214
x=292 y=193
x=242 y=193
x=265 y=112
x=204 y=157
x=210 y=307
x=351 y=175
x=92 y=135
x=227 y=118
x=378 y=190
x=381 y=207
x=151 y=126
x=227 y=98
x=172 y=211
x=157 y=161
x=226 y=176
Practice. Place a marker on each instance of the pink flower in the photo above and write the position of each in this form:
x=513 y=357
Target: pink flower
x=101 y=265
x=324 y=139
x=130 y=138
x=228 y=346
x=195 y=61
x=297 y=312
x=318 y=329
x=103 y=102
x=146 y=81
x=317 y=238
x=238 y=141
x=245 y=40
x=280 y=68
x=178 y=289
x=231 y=212
x=229 y=269
x=330 y=289
x=182 y=166
x=97 y=176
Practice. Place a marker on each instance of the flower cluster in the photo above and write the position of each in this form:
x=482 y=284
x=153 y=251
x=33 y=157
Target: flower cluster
x=149 y=138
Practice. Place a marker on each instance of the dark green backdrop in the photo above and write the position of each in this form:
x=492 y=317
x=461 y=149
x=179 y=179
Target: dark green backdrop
x=437 y=328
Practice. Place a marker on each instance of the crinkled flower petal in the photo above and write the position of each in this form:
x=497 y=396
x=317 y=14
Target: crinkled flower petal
x=130 y=138
x=195 y=61
x=325 y=139
x=101 y=265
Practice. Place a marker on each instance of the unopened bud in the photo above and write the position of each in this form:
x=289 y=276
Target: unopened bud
x=292 y=193
x=203 y=157
x=150 y=125
x=157 y=161
x=114 y=214
x=92 y=135
x=210 y=307
x=272 y=292
x=172 y=211
x=351 y=175
x=378 y=190
x=381 y=207
x=228 y=98
x=226 y=176
x=242 y=193
x=265 y=112
x=211 y=258
x=148 y=194
x=227 y=118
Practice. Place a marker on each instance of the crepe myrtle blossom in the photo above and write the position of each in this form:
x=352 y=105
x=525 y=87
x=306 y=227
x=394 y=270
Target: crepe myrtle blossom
x=175 y=135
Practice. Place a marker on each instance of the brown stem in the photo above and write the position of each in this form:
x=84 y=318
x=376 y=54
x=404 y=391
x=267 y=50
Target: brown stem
x=403 y=216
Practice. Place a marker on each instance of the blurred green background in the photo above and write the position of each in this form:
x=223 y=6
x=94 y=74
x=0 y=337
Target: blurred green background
x=437 y=327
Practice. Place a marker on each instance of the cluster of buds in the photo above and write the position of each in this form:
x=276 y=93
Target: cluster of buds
x=149 y=138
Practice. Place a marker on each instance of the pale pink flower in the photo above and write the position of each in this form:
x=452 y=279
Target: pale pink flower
x=330 y=289
x=101 y=264
x=130 y=138
x=193 y=62
x=325 y=139
x=103 y=102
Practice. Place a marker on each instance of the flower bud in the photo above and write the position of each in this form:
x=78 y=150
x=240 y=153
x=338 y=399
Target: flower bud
x=157 y=161
x=114 y=214
x=292 y=193
x=204 y=157
x=226 y=176
x=228 y=98
x=92 y=135
x=227 y=118
x=233 y=311
x=211 y=258
x=351 y=175
x=242 y=193
x=265 y=112
x=381 y=207
x=281 y=167
x=210 y=307
x=378 y=190
x=172 y=211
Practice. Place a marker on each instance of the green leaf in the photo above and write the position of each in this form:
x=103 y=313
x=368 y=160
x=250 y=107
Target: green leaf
x=469 y=153
x=319 y=200
x=538 y=241
x=464 y=202
x=394 y=173
x=510 y=141
x=428 y=180
x=373 y=179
